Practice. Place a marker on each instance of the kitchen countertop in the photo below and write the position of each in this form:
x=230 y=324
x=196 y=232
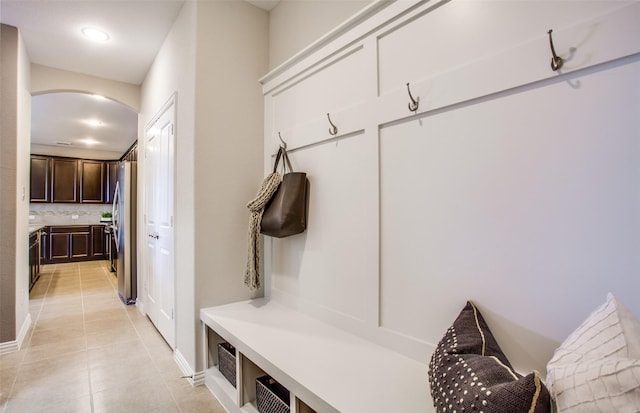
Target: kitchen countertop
x=35 y=227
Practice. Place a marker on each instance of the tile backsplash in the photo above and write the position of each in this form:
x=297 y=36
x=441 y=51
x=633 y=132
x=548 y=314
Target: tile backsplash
x=66 y=214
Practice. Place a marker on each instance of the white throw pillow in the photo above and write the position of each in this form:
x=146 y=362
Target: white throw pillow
x=597 y=368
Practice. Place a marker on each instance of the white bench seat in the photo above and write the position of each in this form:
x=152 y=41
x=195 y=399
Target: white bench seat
x=327 y=368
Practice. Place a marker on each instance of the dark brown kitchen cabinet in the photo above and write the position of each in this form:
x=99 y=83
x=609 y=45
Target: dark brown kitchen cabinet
x=81 y=244
x=98 y=249
x=92 y=179
x=64 y=180
x=113 y=252
x=68 y=244
x=40 y=177
x=44 y=244
x=74 y=243
x=71 y=180
x=111 y=175
x=59 y=246
x=107 y=246
x=131 y=154
x=34 y=258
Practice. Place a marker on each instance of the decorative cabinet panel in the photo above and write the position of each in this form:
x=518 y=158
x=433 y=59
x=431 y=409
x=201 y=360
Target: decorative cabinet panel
x=34 y=258
x=98 y=245
x=132 y=153
x=59 y=246
x=73 y=243
x=80 y=244
x=92 y=181
x=111 y=177
x=40 y=178
x=64 y=180
x=70 y=180
x=44 y=244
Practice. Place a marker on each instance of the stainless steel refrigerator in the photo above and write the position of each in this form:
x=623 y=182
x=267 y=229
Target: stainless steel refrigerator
x=124 y=230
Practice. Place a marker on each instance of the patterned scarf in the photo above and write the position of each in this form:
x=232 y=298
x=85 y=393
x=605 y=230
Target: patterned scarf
x=256 y=207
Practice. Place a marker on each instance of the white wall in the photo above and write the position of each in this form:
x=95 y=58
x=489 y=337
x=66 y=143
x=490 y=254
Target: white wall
x=14 y=190
x=232 y=56
x=173 y=71
x=211 y=59
x=294 y=24
x=46 y=79
x=23 y=186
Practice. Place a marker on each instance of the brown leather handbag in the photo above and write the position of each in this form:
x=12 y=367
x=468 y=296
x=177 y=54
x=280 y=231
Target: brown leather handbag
x=286 y=212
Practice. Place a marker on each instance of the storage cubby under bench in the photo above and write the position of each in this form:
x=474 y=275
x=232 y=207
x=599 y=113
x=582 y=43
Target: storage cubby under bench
x=326 y=369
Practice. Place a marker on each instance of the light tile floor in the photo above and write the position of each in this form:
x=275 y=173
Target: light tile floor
x=87 y=352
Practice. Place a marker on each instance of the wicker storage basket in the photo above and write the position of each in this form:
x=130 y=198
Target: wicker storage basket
x=227 y=362
x=271 y=396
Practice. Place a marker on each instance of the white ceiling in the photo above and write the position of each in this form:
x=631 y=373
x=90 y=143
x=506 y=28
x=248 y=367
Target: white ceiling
x=75 y=117
x=51 y=33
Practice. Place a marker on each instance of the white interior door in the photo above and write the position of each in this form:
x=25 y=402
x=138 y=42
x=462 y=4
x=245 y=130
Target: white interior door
x=159 y=284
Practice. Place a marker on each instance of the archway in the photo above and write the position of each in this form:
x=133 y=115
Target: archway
x=81 y=125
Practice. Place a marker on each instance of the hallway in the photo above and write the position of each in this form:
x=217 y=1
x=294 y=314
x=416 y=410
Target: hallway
x=87 y=352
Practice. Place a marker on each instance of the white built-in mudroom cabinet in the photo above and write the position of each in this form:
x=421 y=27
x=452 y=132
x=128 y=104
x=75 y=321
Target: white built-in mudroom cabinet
x=464 y=167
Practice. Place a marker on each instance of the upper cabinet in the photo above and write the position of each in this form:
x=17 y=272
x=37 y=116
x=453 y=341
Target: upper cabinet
x=92 y=181
x=111 y=177
x=131 y=154
x=40 y=176
x=64 y=180
x=70 y=180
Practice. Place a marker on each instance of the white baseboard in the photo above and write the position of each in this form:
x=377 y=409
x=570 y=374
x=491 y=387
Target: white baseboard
x=140 y=306
x=195 y=378
x=24 y=330
x=198 y=378
x=15 y=345
x=8 y=347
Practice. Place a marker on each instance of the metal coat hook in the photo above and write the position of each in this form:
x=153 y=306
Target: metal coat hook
x=333 y=131
x=413 y=106
x=284 y=144
x=556 y=61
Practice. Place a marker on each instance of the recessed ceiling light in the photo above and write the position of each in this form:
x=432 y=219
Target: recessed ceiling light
x=93 y=122
x=89 y=141
x=94 y=34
